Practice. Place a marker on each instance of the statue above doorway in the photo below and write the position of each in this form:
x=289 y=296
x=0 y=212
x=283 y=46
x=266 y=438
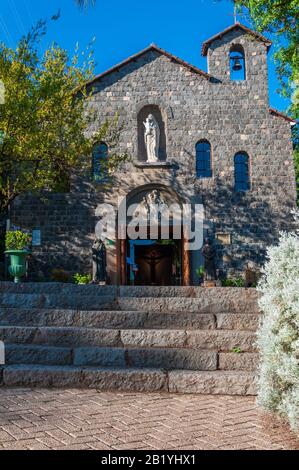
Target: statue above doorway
x=151 y=135
x=153 y=198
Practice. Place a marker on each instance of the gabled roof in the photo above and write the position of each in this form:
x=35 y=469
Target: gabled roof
x=237 y=26
x=282 y=115
x=150 y=48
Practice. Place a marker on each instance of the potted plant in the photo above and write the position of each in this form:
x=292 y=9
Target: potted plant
x=82 y=279
x=16 y=244
x=200 y=273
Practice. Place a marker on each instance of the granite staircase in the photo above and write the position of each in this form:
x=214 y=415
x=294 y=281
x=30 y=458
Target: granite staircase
x=175 y=339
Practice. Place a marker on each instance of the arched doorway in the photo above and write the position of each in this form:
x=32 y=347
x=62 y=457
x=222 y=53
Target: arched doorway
x=162 y=258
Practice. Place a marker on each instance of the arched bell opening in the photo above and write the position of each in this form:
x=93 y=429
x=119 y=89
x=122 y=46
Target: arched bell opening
x=237 y=63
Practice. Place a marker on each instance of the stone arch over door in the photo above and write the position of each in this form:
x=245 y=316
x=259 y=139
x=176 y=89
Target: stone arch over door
x=171 y=197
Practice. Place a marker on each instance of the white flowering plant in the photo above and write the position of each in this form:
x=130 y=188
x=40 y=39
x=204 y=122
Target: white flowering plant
x=278 y=335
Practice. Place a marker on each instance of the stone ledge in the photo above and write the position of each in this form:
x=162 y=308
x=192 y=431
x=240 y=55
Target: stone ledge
x=120 y=379
x=148 y=380
x=144 y=165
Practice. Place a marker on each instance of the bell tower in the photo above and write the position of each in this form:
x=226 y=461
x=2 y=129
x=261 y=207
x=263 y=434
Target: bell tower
x=239 y=55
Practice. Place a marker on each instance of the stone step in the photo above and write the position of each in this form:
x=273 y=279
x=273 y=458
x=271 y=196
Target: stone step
x=59 y=300
x=126 y=319
x=106 y=302
x=130 y=380
x=214 y=305
x=57 y=288
x=148 y=298
x=219 y=340
x=227 y=294
x=112 y=357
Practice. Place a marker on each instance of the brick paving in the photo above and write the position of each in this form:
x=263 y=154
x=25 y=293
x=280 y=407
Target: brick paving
x=88 y=419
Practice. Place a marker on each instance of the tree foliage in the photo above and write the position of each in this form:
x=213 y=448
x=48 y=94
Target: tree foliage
x=43 y=118
x=281 y=18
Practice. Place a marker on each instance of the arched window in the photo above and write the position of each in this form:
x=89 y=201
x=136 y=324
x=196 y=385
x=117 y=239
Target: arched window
x=242 y=179
x=203 y=159
x=237 y=63
x=99 y=161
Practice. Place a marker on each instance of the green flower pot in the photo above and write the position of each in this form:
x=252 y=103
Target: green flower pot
x=17 y=267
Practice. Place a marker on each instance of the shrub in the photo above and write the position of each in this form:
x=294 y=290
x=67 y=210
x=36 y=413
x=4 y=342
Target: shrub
x=16 y=240
x=239 y=282
x=82 y=278
x=278 y=336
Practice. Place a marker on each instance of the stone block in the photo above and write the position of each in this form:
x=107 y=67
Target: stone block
x=241 y=361
x=243 y=321
x=153 y=338
x=42 y=376
x=221 y=340
x=216 y=383
x=103 y=357
x=20 y=354
x=172 y=359
x=127 y=380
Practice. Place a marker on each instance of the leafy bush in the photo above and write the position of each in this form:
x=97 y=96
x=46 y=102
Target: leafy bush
x=82 y=278
x=16 y=240
x=238 y=282
x=278 y=336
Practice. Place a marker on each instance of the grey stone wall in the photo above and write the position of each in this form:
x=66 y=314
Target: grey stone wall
x=232 y=116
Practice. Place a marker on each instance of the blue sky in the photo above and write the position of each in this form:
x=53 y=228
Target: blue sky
x=124 y=28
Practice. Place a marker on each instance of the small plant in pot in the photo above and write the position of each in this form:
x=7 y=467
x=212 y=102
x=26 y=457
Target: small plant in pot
x=200 y=273
x=16 y=244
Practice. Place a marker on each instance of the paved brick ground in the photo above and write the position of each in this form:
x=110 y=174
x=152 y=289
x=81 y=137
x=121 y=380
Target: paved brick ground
x=87 y=419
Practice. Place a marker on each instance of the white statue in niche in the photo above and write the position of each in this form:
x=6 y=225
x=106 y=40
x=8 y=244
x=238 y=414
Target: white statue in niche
x=152 y=139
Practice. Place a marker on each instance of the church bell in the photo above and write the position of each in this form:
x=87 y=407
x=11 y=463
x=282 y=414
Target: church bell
x=237 y=66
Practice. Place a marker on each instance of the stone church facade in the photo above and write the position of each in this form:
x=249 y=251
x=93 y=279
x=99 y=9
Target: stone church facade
x=221 y=146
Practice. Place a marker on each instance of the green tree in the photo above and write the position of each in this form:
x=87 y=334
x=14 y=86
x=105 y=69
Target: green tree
x=44 y=118
x=281 y=18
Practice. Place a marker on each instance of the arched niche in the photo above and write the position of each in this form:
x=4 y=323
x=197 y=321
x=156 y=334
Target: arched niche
x=160 y=117
x=237 y=63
